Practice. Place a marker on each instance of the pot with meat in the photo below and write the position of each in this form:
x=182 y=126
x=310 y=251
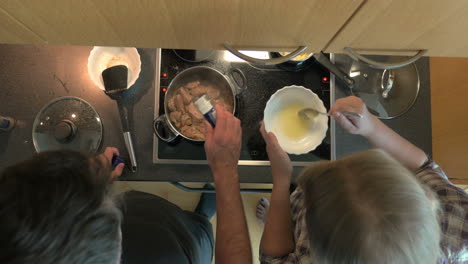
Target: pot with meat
x=181 y=115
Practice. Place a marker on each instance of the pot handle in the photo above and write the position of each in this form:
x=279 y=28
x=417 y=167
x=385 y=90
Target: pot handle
x=339 y=74
x=168 y=135
x=381 y=65
x=240 y=81
x=273 y=61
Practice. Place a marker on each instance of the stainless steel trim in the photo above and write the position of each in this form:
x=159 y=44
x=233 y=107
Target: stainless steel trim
x=241 y=162
x=131 y=152
x=332 y=121
x=157 y=86
x=380 y=65
x=273 y=61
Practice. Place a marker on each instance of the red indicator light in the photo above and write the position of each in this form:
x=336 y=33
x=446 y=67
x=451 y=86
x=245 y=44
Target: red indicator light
x=164 y=90
x=325 y=79
x=164 y=75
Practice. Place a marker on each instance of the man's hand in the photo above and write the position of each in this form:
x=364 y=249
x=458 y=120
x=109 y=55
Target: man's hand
x=223 y=143
x=359 y=126
x=222 y=146
x=280 y=162
x=106 y=160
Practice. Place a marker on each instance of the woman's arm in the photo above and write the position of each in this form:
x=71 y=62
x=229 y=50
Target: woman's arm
x=377 y=133
x=277 y=239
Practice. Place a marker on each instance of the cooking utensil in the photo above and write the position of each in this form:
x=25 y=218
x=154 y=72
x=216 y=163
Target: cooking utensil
x=67 y=123
x=311 y=113
x=294 y=65
x=115 y=83
x=339 y=74
x=294 y=95
x=163 y=127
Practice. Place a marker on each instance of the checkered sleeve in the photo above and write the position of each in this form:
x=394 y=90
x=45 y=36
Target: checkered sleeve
x=453 y=216
x=302 y=247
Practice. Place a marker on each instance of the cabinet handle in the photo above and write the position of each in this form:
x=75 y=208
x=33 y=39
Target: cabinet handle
x=272 y=61
x=380 y=65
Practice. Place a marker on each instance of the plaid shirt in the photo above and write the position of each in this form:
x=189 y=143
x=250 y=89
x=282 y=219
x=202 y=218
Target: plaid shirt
x=453 y=220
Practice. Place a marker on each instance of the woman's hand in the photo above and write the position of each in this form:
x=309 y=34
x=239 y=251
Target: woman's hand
x=280 y=163
x=377 y=133
x=223 y=143
x=359 y=126
x=106 y=160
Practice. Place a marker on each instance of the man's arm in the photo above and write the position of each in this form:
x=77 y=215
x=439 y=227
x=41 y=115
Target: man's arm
x=277 y=239
x=377 y=133
x=222 y=148
x=232 y=238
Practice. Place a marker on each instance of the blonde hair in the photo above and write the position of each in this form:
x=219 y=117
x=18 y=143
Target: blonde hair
x=368 y=208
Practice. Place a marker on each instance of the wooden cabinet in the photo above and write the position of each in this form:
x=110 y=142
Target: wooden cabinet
x=449 y=90
x=387 y=27
x=191 y=24
x=11 y=31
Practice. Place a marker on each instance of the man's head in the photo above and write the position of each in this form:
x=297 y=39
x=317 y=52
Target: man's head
x=367 y=208
x=56 y=208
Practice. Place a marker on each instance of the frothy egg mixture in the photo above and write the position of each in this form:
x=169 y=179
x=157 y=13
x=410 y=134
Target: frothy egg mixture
x=289 y=124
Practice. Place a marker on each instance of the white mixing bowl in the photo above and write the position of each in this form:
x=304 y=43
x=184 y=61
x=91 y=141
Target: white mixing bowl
x=101 y=58
x=293 y=95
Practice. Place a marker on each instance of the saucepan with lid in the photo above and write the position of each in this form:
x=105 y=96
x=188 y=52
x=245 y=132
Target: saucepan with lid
x=181 y=115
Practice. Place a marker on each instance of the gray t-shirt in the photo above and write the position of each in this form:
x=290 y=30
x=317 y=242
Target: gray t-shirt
x=157 y=231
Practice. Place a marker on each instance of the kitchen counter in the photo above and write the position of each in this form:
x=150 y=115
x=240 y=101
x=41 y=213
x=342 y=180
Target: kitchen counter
x=32 y=76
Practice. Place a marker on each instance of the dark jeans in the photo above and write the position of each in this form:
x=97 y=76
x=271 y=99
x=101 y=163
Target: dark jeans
x=157 y=231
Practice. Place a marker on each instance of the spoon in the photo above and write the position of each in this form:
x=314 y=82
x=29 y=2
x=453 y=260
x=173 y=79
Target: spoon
x=310 y=113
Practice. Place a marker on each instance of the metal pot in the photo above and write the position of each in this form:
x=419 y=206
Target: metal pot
x=203 y=74
x=294 y=65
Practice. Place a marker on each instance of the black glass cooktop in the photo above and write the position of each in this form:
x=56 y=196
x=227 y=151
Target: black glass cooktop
x=253 y=93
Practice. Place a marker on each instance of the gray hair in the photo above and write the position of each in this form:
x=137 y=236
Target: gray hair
x=56 y=208
x=368 y=208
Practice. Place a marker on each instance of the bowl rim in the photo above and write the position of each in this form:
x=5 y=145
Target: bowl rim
x=268 y=128
x=130 y=50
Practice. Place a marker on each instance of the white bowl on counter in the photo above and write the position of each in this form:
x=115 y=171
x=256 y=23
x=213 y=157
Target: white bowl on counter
x=316 y=128
x=101 y=58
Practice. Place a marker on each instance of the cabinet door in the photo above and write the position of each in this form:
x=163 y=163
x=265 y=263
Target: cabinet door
x=201 y=24
x=12 y=31
x=384 y=27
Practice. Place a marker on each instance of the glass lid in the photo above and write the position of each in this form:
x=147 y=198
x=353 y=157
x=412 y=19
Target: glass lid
x=67 y=123
x=387 y=93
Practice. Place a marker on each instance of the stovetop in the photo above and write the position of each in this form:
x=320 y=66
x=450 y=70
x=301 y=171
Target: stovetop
x=252 y=95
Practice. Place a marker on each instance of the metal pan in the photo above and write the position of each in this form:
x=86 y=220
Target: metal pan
x=165 y=128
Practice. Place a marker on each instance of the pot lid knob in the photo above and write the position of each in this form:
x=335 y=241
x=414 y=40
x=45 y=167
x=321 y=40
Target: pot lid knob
x=64 y=131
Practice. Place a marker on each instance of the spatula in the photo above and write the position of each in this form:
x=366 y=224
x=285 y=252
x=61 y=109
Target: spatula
x=115 y=83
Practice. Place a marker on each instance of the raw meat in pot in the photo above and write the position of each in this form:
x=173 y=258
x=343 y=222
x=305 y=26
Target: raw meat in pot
x=212 y=92
x=185 y=95
x=192 y=85
x=192 y=132
x=179 y=103
x=220 y=102
x=175 y=116
x=199 y=91
x=171 y=104
x=186 y=120
x=193 y=111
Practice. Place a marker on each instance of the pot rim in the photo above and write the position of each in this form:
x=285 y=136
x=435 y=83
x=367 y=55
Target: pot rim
x=171 y=85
